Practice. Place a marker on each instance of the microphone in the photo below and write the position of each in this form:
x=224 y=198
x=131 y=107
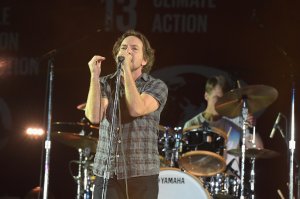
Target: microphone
x=121 y=58
x=275 y=125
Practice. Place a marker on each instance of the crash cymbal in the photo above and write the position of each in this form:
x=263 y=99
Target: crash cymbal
x=76 y=140
x=254 y=153
x=258 y=97
x=81 y=106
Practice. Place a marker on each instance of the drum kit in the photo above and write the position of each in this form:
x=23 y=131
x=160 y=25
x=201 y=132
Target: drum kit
x=192 y=159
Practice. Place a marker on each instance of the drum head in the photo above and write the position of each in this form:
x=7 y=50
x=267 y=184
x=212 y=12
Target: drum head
x=177 y=184
x=202 y=163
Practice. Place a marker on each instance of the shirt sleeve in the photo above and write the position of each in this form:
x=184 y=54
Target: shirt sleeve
x=157 y=89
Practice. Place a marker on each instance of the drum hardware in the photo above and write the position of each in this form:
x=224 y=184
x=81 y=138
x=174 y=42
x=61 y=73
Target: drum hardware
x=229 y=168
x=87 y=186
x=222 y=186
x=83 y=178
x=170 y=145
x=83 y=141
x=253 y=154
x=177 y=149
x=242 y=101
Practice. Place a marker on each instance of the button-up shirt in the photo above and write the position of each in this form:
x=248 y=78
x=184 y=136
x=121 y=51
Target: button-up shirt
x=134 y=149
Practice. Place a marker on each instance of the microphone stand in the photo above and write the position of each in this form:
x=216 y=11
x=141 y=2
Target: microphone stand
x=252 y=173
x=292 y=142
x=113 y=127
x=50 y=56
x=292 y=145
x=48 y=138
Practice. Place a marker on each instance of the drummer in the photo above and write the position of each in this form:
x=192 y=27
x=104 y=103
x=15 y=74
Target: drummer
x=214 y=89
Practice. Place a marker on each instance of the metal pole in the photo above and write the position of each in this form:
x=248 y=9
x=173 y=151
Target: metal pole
x=292 y=146
x=244 y=116
x=113 y=127
x=48 y=138
x=78 y=178
x=252 y=174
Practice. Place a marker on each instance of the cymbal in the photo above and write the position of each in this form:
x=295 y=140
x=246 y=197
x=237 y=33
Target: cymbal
x=258 y=153
x=76 y=141
x=73 y=126
x=165 y=128
x=258 y=97
x=81 y=106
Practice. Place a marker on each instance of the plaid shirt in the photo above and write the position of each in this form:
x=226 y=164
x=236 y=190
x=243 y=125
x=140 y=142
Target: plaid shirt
x=134 y=150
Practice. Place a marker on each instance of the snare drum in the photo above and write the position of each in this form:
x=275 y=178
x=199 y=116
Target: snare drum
x=223 y=186
x=203 y=150
x=177 y=184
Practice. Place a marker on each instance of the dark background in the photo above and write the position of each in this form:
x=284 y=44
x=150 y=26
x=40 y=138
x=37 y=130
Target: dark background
x=255 y=41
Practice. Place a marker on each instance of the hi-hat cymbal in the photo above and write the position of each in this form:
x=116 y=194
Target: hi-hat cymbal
x=73 y=127
x=257 y=97
x=75 y=140
x=254 y=153
x=165 y=129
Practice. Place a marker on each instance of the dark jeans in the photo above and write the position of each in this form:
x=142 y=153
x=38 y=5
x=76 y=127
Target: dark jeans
x=144 y=187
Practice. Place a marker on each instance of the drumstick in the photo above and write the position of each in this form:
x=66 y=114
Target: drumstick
x=280 y=194
x=229 y=131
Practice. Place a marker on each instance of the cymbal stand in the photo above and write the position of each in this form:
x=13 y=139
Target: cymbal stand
x=78 y=177
x=244 y=117
x=177 y=149
x=166 y=149
x=83 y=188
x=252 y=172
x=86 y=180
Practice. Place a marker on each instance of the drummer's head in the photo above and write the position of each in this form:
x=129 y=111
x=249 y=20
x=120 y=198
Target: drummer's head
x=214 y=89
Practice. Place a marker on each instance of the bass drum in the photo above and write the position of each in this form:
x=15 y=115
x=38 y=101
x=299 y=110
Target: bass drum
x=176 y=184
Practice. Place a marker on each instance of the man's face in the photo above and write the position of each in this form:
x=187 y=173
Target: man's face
x=214 y=95
x=132 y=49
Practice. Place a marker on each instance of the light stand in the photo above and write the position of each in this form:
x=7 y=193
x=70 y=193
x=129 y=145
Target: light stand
x=113 y=127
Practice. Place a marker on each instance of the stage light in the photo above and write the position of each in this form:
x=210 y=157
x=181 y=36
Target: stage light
x=35 y=132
